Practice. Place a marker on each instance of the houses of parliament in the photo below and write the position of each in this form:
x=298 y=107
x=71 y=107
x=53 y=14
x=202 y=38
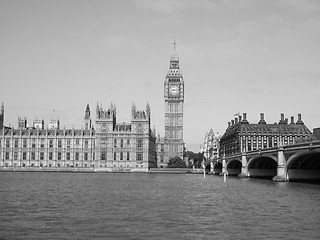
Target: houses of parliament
x=104 y=145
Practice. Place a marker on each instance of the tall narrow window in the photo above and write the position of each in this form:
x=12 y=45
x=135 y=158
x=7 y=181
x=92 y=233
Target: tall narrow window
x=42 y=143
x=33 y=143
x=25 y=143
x=139 y=143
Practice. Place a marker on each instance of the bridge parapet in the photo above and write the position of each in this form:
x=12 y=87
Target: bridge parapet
x=298 y=161
x=313 y=144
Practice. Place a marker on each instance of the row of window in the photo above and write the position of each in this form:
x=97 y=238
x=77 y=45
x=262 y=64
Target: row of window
x=42 y=143
x=68 y=156
x=66 y=165
x=121 y=143
x=122 y=156
x=34 y=156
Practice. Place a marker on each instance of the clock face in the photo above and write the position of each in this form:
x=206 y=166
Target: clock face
x=174 y=91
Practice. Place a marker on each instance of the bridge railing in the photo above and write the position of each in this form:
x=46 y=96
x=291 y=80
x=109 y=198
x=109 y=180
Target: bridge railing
x=308 y=145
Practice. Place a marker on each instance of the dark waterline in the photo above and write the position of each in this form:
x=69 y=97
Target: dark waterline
x=155 y=206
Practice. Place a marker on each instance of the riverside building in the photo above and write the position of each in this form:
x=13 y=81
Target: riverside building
x=107 y=146
x=242 y=136
x=211 y=146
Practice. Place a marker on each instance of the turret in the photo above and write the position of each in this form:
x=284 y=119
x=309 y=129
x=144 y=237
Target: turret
x=87 y=112
x=87 y=120
x=133 y=110
x=22 y=122
x=148 y=111
x=1 y=116
x=54 y=124
x=38 y=123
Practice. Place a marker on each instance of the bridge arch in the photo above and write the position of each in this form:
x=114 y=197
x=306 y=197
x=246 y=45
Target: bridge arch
x=217 y=168
x=234 y=167
x=304 y=166
x=263 y=166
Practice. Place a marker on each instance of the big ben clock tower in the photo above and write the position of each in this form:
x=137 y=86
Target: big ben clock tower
x=174 y=98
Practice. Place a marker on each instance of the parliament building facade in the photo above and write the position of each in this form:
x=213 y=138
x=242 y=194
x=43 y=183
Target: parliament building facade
x=110 y=146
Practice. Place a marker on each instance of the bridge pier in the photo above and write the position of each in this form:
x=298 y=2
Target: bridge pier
x=244 y=167
x=282 y=167
x=224 y=166
x=211 y=167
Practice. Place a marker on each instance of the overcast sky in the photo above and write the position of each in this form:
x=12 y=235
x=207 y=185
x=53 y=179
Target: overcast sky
x=235 y=56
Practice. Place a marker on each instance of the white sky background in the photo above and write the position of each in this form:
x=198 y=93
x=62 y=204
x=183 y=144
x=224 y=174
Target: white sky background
x=236 y=56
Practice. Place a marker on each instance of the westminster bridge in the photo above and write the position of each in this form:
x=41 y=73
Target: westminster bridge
x=299 y=162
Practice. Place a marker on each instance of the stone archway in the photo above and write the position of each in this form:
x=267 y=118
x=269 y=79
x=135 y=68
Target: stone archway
x=234 y=167
x=304 y=167
x=217 y=168
x=262 y=167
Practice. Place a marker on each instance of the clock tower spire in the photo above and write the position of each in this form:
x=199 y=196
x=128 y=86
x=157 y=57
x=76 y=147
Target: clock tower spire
x=174 y=99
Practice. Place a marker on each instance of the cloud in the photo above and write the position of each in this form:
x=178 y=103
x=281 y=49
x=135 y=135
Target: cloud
x=169 y=7
x=306 y=8
x=123 y=41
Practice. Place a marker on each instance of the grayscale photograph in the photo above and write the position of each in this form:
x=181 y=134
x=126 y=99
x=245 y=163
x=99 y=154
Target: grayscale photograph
x=159 y=119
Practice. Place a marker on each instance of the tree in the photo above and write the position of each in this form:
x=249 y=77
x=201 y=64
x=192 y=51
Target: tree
x=176 y=162
x=195 y=159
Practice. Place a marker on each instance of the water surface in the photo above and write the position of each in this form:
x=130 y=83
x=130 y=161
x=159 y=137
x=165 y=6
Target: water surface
x=154 y=206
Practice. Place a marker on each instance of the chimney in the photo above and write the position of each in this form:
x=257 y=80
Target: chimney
x=299 y=119
x=235 y=120
x=232 y=121
x=292 y=120
x=316 y=133
x=262 y=121
x=229 y=124
x=245 y=118
x=282 y=121
x=240 y=117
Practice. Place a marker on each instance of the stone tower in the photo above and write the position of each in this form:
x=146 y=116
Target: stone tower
x=87 y=120
x=174 y=98
x=104 y=127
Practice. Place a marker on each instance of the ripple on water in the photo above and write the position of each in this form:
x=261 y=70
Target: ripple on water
x=155 y=206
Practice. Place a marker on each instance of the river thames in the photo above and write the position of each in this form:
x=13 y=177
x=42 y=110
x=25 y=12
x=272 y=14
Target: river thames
x=154 y=206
